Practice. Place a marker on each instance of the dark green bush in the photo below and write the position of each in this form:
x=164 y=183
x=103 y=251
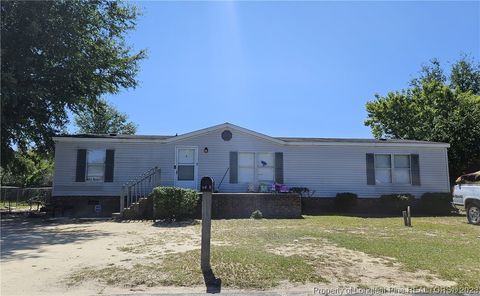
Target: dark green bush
x=436 y=203
x=302 y=191
x=396 y=203
x=174 y=203
x=344 y=201
x=257 y=214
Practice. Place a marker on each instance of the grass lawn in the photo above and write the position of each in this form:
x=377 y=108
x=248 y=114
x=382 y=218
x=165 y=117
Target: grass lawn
x=261 y=254
x=14 y=206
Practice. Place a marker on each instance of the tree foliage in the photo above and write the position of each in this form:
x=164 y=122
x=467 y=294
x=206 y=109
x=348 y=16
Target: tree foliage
x=103 y=118
x=28 y=169
x=59 y=56
x=435 y=108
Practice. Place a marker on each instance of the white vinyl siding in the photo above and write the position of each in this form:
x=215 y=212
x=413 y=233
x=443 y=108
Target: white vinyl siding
x=326 y=170
x=95 y=165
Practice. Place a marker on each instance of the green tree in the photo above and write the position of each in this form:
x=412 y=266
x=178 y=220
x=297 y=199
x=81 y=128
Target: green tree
x=103 y=118
x=59 y=56
x=28 y=169
x=466 y=76
x=435 y=108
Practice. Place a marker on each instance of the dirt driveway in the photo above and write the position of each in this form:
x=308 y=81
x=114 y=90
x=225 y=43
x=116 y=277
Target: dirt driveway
x=37 y=255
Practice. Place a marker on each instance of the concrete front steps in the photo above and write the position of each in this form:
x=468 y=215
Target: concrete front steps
x=141 y=210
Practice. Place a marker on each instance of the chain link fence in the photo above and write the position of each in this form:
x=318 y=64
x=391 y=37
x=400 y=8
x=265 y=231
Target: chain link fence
x=24 y=199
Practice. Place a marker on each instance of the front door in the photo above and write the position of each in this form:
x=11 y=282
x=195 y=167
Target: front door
x=186 y=164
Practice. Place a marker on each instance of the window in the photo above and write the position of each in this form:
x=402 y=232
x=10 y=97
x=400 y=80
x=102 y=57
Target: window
x=401 y=172
x=186 y=164
x=266 y=167
x=383 y=168
x=246 y=167
x=392 y=169
x=95 y=165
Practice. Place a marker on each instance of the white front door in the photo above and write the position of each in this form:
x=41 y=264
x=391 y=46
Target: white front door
x=186 y=164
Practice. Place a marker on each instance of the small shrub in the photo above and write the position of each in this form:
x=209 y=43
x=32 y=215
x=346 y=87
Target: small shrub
x=257 y=214
x=302 y=191
x=396 y=203
x=174 y=203
x=344 y=201
x=436 y=203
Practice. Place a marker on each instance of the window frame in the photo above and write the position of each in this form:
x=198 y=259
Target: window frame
x=246 y=167
x=87 y=165
x=409 y=169
x=259 y=166
x=386 y=169
x=256 y=166
x=392 y=168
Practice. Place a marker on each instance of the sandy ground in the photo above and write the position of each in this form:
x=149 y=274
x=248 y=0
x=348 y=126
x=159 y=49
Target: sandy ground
x=341 y=265
x=36 y=257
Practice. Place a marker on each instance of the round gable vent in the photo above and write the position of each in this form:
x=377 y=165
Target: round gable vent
x=226 y=135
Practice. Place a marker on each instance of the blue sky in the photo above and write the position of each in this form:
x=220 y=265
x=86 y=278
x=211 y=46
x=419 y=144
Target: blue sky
x=285 y=68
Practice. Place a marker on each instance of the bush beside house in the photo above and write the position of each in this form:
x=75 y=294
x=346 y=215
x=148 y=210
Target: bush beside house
x=396 y=203
x=174 y=203
x=257 y=214
x=436 y=203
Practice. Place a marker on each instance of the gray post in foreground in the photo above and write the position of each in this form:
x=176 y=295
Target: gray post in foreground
x=206 y=231
x=409 y=216
x=212 y=283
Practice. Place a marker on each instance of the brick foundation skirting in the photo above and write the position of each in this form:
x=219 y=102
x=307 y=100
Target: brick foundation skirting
x=84 y=206
x=241 y=205
x=225 y=206
x=365 y=206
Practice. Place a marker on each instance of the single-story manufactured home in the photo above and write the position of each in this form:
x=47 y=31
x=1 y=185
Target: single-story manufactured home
x=95 y=170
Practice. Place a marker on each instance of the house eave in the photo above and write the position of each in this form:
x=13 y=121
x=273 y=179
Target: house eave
x=248 y=132
x=333 y=143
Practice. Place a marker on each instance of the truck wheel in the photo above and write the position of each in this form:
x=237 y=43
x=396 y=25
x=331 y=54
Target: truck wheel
x=473 y=213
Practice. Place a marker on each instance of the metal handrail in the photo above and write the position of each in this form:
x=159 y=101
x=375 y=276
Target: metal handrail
x=139 y=187
x=218 y=188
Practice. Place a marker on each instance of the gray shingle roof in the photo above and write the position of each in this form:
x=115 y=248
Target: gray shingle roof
x=286 y=139
x=352 y=140
x=116 y=136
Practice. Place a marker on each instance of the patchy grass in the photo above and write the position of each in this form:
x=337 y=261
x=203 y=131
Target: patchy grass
x=443 y=245
x=237 y=267
x=446 y=246
x=260 y=254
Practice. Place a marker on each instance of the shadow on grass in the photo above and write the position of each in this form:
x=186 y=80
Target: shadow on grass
x=23 y=238
x=212 y=283
x=175 y=224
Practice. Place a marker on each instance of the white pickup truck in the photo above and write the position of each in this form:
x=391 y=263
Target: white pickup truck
x=466 y=195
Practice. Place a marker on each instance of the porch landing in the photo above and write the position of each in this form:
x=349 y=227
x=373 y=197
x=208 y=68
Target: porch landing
x=241 y=205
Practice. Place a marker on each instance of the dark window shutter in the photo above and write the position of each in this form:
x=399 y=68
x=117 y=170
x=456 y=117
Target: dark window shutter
x=81 y=165
x=415 y=163
x=370 y=169
x=109 y=160
x=279 y=167
x=233 y=167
